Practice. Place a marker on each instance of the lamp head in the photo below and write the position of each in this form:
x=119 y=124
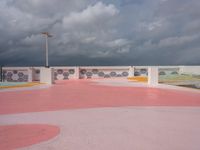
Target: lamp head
x=47 y=34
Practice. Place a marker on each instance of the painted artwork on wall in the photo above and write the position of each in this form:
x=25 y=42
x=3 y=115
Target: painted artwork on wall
x=15 y=75
x=63 y=74
x=102 y=73
x=141 y=72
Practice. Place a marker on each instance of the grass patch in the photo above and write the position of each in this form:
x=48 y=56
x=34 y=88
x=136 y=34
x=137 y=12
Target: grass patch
x=178 y=78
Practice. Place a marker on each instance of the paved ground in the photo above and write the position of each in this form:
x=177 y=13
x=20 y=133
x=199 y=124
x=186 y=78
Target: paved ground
x=21 y=135
x=108 y=115
x=142 y=128
x=84 y=94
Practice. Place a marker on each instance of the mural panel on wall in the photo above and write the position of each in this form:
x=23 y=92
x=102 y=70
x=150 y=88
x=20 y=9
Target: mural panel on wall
x=63 y=74
x=102 y=73
x=140 y=72
x=36 y=74
x=15 y=75
x=168 y=71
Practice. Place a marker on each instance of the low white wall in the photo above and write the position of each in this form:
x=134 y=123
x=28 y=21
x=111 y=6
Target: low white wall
x=190 y=69
x=36 y=74
x=104 y=71
x=17 y=74
x=28 y=74
x=65 y=73
x=168 y=70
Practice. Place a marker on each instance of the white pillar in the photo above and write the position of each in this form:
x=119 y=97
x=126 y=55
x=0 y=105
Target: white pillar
x=181 y=69
x=30 y=74
x=131 y=71
x=77 y=75
x=46 y=75
x=153 y=76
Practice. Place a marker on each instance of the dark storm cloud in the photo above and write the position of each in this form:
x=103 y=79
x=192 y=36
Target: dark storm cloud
x=90 y=32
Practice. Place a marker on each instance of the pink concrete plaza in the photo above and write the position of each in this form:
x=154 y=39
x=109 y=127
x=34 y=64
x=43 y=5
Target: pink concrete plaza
x=100 y=115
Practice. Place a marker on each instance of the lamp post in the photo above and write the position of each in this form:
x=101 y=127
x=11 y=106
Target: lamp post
x=47 y=35
x=1 y=71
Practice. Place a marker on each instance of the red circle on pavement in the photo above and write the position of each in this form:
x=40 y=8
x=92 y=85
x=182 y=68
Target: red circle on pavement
x=21 y=135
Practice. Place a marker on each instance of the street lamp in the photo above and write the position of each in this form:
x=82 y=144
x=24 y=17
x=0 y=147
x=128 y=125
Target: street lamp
x=47 y=35
x=1 y=71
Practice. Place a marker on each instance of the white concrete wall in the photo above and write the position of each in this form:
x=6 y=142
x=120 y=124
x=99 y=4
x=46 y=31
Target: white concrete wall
x=131 y=72
x=30 y=74
x=104 y=71
x=17 y=74
x=77 y=73
x=153 y=76
x=190 y=69
x=169 y=70
x=36 y=74
x=65 y=72
x=108 y=71
x=46 y=75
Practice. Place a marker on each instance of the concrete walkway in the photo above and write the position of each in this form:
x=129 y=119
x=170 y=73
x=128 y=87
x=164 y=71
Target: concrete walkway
x=127 y=128
x=87 y=94
x=105 y=115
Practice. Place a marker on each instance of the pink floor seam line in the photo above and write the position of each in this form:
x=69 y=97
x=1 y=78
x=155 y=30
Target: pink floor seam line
x=84 y=94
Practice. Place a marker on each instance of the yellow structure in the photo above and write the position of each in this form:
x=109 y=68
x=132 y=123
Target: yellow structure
x=138 y=79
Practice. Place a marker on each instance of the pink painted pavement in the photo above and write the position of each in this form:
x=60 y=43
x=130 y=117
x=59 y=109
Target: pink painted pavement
x=85 y=94
x=16 y=136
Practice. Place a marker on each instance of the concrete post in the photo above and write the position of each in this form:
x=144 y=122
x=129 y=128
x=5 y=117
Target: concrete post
x=46 y=75
x=30 y=74
x=1 y=74
x=77 y=75
x=47 y=52
x=153 y=76
x=181 y=69
x=131 y=72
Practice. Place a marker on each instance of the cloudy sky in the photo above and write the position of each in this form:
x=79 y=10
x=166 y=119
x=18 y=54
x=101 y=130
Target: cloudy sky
x=106 y=32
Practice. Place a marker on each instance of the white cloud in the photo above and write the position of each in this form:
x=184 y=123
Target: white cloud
x=117 y=43
x=150 y=26
x=32 y=40
x=163 y=0
x=98 y=29
x=89 y=39
x=173 y=43
x=177 y=41
x=154 y=25
x=48 y=8
x=90 y=15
